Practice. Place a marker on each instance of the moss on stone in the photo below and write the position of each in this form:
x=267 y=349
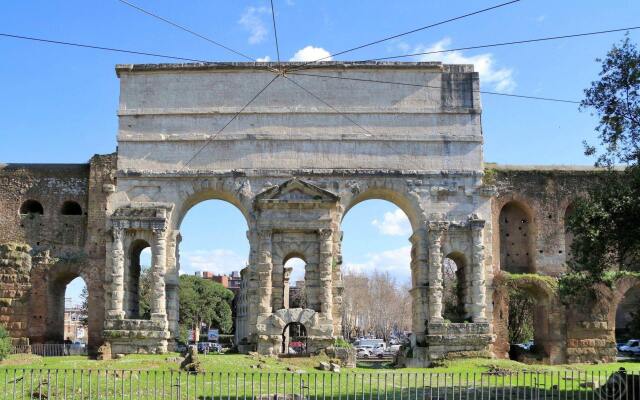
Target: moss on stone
x=514 y=280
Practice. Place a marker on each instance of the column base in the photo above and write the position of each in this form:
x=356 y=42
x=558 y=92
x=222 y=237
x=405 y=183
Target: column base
x=448 y=340
x=136 y=336
x=112 y=314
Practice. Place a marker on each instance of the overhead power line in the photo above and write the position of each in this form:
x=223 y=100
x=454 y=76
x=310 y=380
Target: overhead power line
x=345 y=116
x=185 y=29
x=229 y=123
x=515 y=42
x=90 y=46
x=433 y=87
x=366 y=132
x=275 y=31
x=410 y=32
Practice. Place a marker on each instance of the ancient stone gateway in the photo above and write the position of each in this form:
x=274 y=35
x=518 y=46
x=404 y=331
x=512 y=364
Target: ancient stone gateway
x=294 y=167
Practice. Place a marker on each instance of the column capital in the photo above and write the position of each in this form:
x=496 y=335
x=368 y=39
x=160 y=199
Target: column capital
x=476 y=224
x=158 y=231
x=264 y=233
x=117 y=232
x=325 y=233
x=438 y=226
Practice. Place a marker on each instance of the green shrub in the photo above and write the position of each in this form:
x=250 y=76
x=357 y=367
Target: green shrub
x=340 y=343
x=5 y=343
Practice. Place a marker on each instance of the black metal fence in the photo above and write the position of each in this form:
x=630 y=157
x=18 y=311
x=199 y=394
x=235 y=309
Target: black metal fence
x=50 y=350
x=153 y=385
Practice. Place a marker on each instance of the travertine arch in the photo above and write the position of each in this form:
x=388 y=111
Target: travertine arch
x=199 y=195
x=398 y=195
x=393 y=192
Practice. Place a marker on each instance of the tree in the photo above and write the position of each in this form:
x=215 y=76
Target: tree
x=521 y=310
x=606 y=224
x=146 y=292
x=203 y=301
x=5 y=343
x=374 y=304
x=615 y=98
x=84 y=306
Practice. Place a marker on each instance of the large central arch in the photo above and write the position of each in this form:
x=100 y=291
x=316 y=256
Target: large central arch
x=418 y=274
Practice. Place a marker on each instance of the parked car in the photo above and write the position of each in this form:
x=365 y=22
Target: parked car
x=297 y=347
x=527 y=346
x=378 y=352
x=364 y=351
x=393 y=349
x=209 y=347
x=631 y=347
x=181 y=348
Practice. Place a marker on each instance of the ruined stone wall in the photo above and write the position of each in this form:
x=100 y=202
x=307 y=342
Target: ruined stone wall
x=60 y=236
x=535 y=201
x=543 y=195
x=15 y=282
x=50 y=186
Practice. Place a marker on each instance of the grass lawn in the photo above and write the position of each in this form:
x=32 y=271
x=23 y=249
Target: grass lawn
x=228 y=376
x=239 y=363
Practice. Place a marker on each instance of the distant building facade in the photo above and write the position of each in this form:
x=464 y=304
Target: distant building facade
x=75 y=328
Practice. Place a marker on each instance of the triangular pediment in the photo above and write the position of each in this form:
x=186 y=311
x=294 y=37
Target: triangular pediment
x=296 y=191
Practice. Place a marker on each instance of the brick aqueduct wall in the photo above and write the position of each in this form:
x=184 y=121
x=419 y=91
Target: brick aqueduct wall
x=43 y=249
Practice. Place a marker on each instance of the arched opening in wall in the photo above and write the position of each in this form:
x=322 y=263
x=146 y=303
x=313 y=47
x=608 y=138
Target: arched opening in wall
x=138 y=282
x=294 y=339
x=76 y=315
x=456 y=287
x=529 y=319
x=294 y=284
x=516 y=239
x=31 y=207
x=68 y=317
x=71 y=208
x=376 y=272
x=568 y=235
x=627 y=322
x=213 y=245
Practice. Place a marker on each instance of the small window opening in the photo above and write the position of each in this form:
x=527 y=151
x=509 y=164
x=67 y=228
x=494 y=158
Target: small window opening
x=31 y=207
x=71 y=208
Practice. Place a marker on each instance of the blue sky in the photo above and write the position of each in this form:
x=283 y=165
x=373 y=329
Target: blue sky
x=59 y=104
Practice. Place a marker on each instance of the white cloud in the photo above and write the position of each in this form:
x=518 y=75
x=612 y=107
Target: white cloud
x=396 y=262
x=252 y=21
x=500 y=78
x=393 y=223
x=263 y=59
x=218 y=261
x=541 y=18
x=311 y=53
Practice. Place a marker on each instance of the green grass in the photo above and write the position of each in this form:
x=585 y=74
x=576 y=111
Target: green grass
x=228 y=376
x=239 y=363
